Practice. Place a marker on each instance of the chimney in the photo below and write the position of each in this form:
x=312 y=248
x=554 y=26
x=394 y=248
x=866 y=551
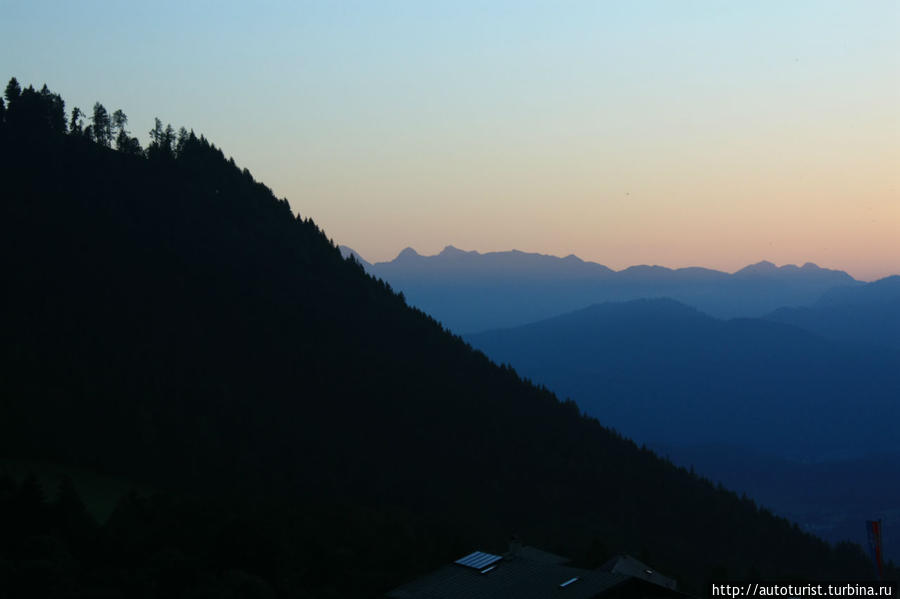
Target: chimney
x=515 y=546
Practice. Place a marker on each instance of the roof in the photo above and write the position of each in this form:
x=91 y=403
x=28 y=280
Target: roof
x=539 y=555
x=530 y=573
x=629 y=566
x=512 y=577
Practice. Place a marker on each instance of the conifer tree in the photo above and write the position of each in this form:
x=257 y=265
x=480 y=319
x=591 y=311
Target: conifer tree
x=119 y=120
x=13 y=91
x=128 y=145
x=71 y=515
x=157 y=132
x=76 y=123
x=169 y=140
x=102 y=128
x=124 y=142
x=181 y=141
x=54 y=110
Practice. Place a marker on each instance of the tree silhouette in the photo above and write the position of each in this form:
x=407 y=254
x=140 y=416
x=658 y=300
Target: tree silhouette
x=129 y=145
x=37 y=113
x=156 y=133
x=183 y=137
x=76 y=122
x=102 y=130
x=54 y=109
x=72 y=518
x=161 y=141
x=119 y=120
x=13 y=91
x=168 y=142
x=124 y=142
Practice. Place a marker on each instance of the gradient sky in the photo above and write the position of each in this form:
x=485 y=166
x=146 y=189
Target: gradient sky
x=676 y=133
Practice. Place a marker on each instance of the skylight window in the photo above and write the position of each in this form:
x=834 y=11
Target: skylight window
x=572 y=580
x=479 y=561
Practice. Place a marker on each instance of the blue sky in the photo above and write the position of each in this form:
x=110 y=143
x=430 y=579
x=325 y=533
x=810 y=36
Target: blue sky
x=674 y=133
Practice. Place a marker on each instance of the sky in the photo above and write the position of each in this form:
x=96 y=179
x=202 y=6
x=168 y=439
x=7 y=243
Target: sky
x=684 y=133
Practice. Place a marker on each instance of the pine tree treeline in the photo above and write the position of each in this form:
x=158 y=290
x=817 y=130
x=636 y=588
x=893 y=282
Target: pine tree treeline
x=170 y=320
x=40 y=113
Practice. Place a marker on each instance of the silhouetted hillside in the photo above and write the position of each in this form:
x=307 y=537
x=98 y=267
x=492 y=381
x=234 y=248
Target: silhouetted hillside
x=347 y=252
x=728 y=398
x=864 y=315
x=168 y=318
x=831 y=498
x=472 y=292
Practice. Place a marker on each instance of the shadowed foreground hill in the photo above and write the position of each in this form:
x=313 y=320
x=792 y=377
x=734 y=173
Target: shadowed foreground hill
x=166 y=317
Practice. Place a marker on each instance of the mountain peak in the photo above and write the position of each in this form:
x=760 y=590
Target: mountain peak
x=407 y=253
x=645 y=269
x=761 y=267
x=809 y=269
x=455 y=251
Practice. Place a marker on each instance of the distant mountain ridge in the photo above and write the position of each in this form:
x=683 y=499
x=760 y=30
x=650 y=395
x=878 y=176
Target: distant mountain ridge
x=469 y=291
x=661 y=372
x=491 y=263
x=861 y=314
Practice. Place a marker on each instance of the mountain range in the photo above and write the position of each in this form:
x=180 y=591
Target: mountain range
x=663 y=372
x=863 y=315
x=470 y=292
x=778 y=412
x=306 y=433
x=803 y=423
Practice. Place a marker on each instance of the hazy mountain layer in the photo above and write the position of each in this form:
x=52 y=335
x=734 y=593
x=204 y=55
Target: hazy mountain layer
x=863 y=315
x=662 y=372
x=471 y=292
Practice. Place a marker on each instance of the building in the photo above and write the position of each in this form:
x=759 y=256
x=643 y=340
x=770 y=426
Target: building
x=529 y=573
x=625 y=564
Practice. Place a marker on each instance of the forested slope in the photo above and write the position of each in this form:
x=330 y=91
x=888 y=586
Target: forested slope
x=165 y=316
